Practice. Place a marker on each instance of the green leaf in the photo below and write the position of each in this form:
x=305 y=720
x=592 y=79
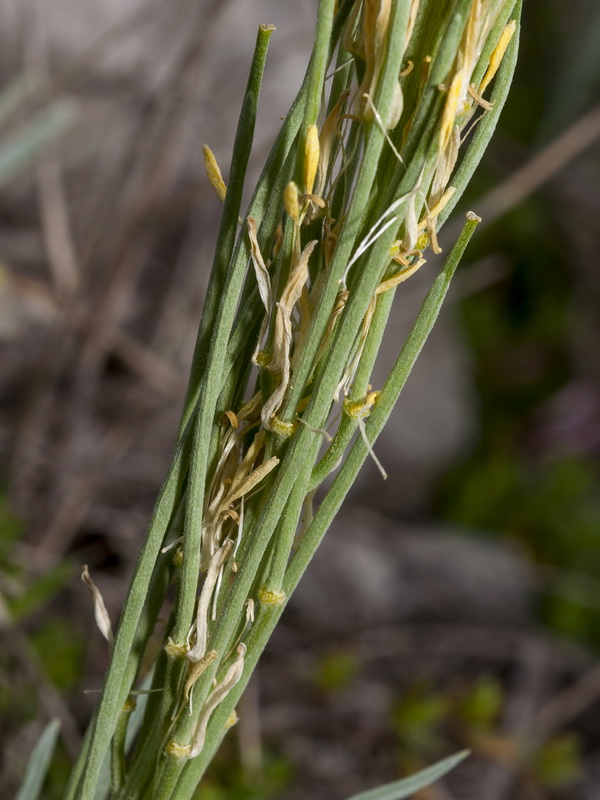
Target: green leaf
x=38 y=763
x=408 y=786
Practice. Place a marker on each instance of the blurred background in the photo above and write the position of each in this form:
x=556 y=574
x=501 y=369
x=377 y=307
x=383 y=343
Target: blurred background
x=456 y=605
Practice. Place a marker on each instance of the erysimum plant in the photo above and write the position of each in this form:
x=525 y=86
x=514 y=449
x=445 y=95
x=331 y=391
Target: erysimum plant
x=398 y=104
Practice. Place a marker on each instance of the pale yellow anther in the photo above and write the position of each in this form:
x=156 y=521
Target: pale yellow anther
x=422 y=241
x=231 y=720
x=311 y=158
x=263 y=359
x=270 y=598
x=213 y=172
x=174 y=650
x=290 y=201
x=281 y=427
x=372 y=398
x=179 y=751
x=361 y=410
x=498 y=55
x=129 y=705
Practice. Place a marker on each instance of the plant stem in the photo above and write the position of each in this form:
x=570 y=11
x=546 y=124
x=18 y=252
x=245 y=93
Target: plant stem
x=269 y=615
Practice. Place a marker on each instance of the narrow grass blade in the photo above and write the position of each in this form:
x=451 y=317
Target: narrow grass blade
x=38 y=763
x=408 y=786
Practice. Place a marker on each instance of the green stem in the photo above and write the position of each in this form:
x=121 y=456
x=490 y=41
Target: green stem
x=144 y=599
x=204 y=420
x=117 y=758
x=269 y=615
x=284 y=541
x=220 y=371
x=347 y=428
x=374 y=141
x=316 y=79
x=211 y=381
x=304 y=445
x=382 y=410
x=228 y=226
x=486 y=126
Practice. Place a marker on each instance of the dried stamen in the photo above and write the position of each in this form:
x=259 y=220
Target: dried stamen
x=283 y=333
x=263 y=280
x=195 y=670
x=201 y=625
x=100 y=612
x=218 y=694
